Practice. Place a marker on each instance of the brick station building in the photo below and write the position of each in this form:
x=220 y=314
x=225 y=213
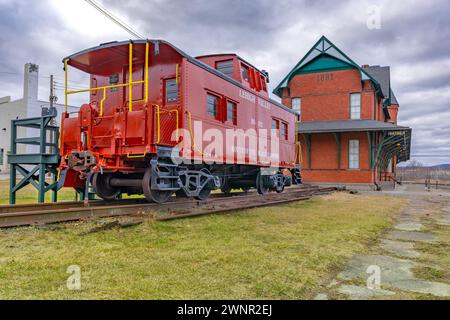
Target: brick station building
x=348 y=128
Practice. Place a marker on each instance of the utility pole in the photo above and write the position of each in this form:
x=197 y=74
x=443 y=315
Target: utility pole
x=52 y=99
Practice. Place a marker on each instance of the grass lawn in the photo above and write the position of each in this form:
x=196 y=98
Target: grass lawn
x=284 y=252
x=29 y=194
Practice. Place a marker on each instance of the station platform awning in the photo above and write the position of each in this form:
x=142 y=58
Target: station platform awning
x=393 y=140
x=346 y=126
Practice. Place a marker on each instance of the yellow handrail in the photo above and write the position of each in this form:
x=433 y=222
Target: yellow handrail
x=191 y=132
x=130 y=76
x=158 y=124
x=65 y=83
x=129 y=84
x=300 y=152
x=102 y=102
x=147 y=47
x=104 y=87
x=176 y=73
x=136 y=156
x=297 y=142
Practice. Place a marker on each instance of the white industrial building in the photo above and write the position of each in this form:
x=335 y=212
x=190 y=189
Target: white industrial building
x=27 y=107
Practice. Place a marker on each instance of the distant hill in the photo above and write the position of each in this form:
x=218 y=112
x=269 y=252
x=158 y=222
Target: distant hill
x=444 y=166
x=441 y=166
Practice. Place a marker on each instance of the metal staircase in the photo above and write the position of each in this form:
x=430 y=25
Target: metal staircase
x=33 y=167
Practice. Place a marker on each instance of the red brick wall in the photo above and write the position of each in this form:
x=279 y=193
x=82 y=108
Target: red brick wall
x=326 y=96
x=393 y=113
x=324 y=162
x=333 y=176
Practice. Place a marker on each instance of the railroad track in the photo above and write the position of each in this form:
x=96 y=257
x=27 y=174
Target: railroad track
x=39 y=214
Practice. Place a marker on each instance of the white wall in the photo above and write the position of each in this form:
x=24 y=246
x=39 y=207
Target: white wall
x=10 y=111
x=27 y=107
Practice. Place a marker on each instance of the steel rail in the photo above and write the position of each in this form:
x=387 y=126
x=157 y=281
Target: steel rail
x=77 y=204
x=166 y=211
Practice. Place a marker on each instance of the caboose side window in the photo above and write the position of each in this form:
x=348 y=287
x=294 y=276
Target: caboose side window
x=226 y=67
x=245 y=73
x=231 y=112
x=263 y=83
x=275 y=124
x=213 y=105
x=284 y=130
x=171 y=89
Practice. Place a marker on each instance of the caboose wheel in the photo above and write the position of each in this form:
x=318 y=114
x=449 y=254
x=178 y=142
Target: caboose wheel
x=226 y=189
x=181 y=194
x=224 y=185
x=260 y=185
x=157 y=196
x=102 y=186
x=280 y=189
x=280 y=184
x=206 y=191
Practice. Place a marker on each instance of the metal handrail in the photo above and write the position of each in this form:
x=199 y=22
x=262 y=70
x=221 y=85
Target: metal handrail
x=129 y=84
x=158 y=124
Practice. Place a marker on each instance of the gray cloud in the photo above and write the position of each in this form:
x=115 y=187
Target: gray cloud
x=274 y=35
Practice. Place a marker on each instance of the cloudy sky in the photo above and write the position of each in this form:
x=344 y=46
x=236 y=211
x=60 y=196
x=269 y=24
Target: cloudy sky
x=413 y=39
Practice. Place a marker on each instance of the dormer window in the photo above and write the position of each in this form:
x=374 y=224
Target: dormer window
x=226 y=67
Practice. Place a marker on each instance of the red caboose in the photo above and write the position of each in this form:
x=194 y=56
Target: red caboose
x=161 y=122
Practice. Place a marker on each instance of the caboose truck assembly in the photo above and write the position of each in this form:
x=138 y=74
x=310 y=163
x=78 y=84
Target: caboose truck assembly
x=136 y=134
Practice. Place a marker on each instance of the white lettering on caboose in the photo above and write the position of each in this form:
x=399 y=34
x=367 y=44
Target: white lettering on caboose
x=263 y=103
x=247 y=96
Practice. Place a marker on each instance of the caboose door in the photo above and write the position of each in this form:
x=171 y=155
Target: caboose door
x=136 y=117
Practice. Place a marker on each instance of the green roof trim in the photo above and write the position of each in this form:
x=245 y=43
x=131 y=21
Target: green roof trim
x=318 y=57
x=324 y=63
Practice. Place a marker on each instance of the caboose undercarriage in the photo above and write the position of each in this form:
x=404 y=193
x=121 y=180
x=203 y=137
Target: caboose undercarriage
x=158 y=178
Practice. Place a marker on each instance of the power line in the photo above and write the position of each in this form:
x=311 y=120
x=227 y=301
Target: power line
x=114 y=19
x=16 y=74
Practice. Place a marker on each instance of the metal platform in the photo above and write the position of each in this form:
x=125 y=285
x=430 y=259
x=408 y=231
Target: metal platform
x=34 y=167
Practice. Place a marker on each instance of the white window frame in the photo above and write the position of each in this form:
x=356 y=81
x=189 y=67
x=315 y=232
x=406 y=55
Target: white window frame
x=353 y=154
x=355 y=109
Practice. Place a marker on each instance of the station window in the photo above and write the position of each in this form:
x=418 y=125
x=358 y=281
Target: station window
x=226 y=67
x=355 y=106
x=284 y=130
x=171 y=89
x=297 y=104
x=2 y=151
x=353 y=154
x=213 y=105
x=245 y=73
x=231 y=112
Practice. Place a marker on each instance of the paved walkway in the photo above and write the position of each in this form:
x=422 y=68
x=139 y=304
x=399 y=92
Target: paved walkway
x=410 y=261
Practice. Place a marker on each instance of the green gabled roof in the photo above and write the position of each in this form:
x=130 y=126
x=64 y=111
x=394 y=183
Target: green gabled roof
x=324 y=55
